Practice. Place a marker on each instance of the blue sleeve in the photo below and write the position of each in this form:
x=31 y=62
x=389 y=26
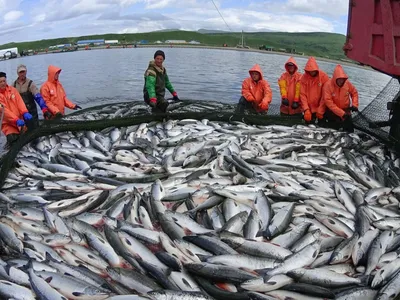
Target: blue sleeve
x=40 y=101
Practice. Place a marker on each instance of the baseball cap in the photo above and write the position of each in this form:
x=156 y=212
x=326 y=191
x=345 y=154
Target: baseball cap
x=21 y=68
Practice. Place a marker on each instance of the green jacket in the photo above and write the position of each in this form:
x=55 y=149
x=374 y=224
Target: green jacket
x=155 y=82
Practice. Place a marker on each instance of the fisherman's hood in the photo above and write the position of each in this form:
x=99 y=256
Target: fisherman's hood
x=52 y=71
x=293 y=61
x=256 y=68
x=339 y=73
x=311 y=65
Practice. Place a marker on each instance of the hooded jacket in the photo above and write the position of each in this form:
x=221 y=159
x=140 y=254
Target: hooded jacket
x=289 y=86
x=311 y=87
x=256 y=92
x=337 y=98
x=54 y=94
x=14 y=108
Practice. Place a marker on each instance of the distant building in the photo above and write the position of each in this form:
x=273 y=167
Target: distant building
x=194 y=43
x=88 y=42
x=7 y=52
x=158 y=42
x=143 y=42
x=175 y=42
x=63 y=46
x=111 y=41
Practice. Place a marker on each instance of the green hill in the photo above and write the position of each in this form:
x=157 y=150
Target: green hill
x=315 y=43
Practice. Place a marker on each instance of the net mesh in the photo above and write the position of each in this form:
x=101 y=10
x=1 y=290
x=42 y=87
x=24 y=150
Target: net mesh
x=377 y=112
x=136 y=112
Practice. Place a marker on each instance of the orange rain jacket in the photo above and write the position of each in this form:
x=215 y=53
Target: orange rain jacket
x=336 y=98
x=259 y=93
x=289 y=86
x=311 y=87
x=14 y=108
x=53 y=93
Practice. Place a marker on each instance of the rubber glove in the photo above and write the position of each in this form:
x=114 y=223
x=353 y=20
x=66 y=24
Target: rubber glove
x=346 y=117
x=20 y=123
x=153 y=102
x=175 y=96
x=307 y=115
x=40 y=101
x=295 y=104
x=263 y=106
x=27 y=116
x=47 y=114
x=354 y=108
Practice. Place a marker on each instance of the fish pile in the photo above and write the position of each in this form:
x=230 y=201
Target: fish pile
x=194 y=209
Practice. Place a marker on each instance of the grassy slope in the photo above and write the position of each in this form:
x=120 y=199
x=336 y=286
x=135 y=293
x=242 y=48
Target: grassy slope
x=315 y=43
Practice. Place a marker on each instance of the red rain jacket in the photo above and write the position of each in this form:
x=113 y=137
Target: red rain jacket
x=14 y=108
x=259 y=93
x=336 y=98
x=311 y=87
x=53 y=93
x=289 y=86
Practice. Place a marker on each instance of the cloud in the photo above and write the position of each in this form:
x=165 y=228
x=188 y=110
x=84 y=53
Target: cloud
x=56 y=10
x=154 y=4
x=13 y=28
x=327 y=8
x=122 y=3
x=7 y=5
x=334 y=8
x=13 y=15
x=250 y=20
x=59 y=18
x=147 y=16
x=150 y=26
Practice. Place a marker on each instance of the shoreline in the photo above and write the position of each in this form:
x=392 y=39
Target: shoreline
x=163 y=46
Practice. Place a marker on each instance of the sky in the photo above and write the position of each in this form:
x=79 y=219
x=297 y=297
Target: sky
x=28 y=20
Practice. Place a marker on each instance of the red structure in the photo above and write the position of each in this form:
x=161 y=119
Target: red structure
x=373 y=34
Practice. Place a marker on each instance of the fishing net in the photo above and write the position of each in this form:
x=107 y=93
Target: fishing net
x=377 y=113
x=136 y=112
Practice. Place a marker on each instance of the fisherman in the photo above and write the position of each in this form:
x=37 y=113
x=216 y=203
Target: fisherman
x=289 y=85
x=15 y=111
x=156 y=80
x=311 y=84
x=336 y=102
x=54 y=94
x=30 y=93
x=256 y=93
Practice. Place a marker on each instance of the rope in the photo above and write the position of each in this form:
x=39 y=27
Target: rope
x=221 y=15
